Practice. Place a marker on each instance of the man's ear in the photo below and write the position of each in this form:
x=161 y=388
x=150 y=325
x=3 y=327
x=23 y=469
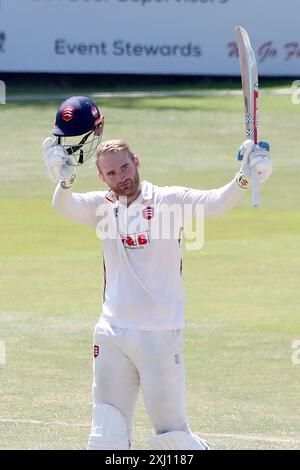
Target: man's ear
x=101 y=177
x=137 y=162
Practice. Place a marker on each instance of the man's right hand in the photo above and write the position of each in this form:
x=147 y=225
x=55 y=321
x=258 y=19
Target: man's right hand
x=56 y=162
x=256 y=159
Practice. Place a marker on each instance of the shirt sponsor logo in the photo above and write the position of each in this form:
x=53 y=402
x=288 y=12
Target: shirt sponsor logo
x=135 y=240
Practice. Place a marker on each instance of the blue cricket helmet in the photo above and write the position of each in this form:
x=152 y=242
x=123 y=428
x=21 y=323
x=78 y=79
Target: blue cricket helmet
x=77 y=116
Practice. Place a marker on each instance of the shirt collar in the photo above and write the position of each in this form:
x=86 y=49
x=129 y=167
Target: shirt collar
x=147 y=191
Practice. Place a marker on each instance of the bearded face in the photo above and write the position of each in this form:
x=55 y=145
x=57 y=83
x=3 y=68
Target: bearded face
x=120 y=171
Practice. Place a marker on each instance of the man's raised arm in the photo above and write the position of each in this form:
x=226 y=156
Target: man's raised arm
x=256 y=158
x=78 y=207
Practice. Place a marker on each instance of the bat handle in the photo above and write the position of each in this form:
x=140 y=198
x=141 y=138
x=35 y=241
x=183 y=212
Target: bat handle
x=255 y=189
x=255 y=183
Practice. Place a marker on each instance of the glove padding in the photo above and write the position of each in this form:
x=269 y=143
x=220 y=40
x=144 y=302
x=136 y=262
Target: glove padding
x=256 y=159
x=56 y=160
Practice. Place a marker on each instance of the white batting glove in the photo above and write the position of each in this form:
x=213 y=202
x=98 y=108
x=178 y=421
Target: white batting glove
x=256 y=160
x=56 y=162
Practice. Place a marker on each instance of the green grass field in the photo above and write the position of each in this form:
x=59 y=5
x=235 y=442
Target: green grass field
x=242 y=289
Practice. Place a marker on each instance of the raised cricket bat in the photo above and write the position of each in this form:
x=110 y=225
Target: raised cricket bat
x=251 y=97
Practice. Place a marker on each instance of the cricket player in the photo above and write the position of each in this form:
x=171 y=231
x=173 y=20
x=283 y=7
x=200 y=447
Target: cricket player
x=138 y=341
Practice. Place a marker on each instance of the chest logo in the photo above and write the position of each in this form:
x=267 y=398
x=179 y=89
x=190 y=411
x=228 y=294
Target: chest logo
x=135 y=240
x=148 y=213
x=96 y=351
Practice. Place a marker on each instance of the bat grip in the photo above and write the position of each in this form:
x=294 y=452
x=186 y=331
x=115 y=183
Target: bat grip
x=255 y=186
x=255 y=189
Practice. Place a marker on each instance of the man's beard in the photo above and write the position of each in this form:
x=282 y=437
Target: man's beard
x=129 y=187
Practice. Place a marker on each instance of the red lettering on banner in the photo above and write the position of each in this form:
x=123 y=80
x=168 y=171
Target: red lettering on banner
x=267 y=51
x=293 y=50
x=233 y=49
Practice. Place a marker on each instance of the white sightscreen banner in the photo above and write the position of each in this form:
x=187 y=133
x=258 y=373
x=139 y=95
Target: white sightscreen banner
x=186 y=37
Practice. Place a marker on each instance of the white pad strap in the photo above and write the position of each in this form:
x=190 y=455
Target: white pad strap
x=178 y=440
x=109 y=429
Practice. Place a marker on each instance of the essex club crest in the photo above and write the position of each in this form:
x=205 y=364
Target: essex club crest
x=148 y=213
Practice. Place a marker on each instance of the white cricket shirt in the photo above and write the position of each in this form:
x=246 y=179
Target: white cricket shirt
x=142 y=247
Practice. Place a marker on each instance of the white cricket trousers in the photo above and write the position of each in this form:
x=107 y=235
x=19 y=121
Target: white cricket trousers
x=128 y=360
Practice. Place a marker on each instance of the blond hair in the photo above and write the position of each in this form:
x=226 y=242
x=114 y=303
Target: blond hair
x=113 y=146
